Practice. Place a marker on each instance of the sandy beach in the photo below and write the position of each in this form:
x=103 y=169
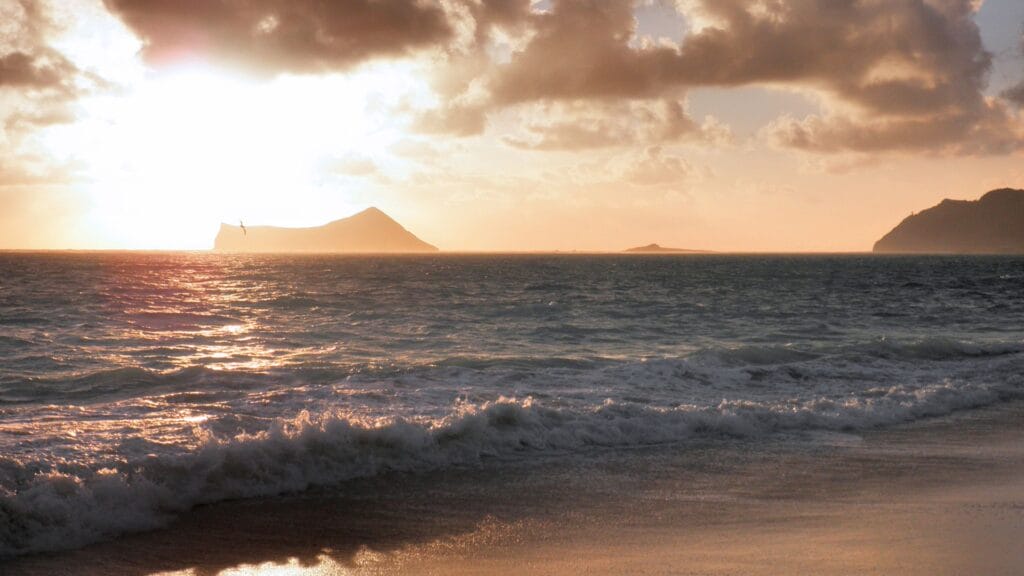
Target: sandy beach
x=940 y=496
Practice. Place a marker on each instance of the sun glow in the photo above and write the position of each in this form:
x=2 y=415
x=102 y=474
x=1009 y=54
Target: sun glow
x=184 y=151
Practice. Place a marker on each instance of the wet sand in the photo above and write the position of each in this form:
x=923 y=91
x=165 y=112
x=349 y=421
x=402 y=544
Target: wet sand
x=943 y=496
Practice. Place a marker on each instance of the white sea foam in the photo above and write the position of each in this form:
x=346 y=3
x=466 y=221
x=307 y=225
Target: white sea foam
x=56 y=510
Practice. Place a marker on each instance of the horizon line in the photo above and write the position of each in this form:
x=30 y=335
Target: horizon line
x=559 y=252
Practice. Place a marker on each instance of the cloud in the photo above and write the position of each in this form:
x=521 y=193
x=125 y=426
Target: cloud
x=655 y=168
x=1015 y=94
x=282 y=36
x=42 y=70
x=907 y=74
x=38 y=84
x=454 y=118
x=27 y=61
x=491 y=15
x=40 y=112
x=39 y=88
x=354 y=165
x=888 y=65
x=645 y=172
x=581 y=50
x=893 y=75
x=414 y=149
x=991 y=131
x=587 y=125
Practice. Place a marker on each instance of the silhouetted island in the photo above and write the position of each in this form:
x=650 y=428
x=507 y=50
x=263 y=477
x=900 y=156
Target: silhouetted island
x=656 y=249
x=993 y=224
x=368 y=231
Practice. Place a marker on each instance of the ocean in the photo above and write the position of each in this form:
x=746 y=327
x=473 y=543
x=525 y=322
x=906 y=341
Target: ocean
x=135 y=387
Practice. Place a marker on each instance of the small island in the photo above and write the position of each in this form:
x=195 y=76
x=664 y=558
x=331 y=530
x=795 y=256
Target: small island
x=993 y=224
x=658 y=249
x=370 y=231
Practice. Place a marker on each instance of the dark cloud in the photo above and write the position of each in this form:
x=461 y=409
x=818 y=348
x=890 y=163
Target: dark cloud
x=1015 y=94
x=956 y=133
x=27 y=61
x=282 y=36
x=39 y=83
x=582 y=50
x=911 y=73
x=489 y=15
x=45 y=69
x=888 y=55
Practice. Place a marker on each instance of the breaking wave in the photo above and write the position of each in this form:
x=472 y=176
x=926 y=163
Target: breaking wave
x=57 y=509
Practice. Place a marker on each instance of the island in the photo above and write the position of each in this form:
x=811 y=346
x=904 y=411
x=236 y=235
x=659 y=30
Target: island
x=370 y=231
x=657 y=249
x=993 y=224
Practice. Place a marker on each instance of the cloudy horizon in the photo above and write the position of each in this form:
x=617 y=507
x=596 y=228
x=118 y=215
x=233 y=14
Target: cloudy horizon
x=730 y=125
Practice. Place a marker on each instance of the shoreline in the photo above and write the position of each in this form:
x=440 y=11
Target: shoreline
x=937 y=496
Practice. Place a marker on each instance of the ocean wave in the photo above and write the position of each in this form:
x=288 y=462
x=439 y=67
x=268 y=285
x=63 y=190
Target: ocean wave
x=58 y=508
x=754 y=355
x=930 y=348
x=825 y=363
x=938 y=348
x=105 y=385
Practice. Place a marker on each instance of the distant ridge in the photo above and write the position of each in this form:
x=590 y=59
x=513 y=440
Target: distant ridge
x=368 y=231
x=657 y=249
x=993 y=224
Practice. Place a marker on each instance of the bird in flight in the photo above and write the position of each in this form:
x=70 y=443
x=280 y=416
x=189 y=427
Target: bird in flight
x=242 y=226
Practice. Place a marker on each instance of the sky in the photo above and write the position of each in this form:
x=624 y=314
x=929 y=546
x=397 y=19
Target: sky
x=730 y=125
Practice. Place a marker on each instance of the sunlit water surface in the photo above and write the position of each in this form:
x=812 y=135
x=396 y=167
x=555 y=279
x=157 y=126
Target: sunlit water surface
x=135 y=386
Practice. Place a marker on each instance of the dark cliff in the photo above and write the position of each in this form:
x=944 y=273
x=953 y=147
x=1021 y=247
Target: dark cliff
x=993 y=224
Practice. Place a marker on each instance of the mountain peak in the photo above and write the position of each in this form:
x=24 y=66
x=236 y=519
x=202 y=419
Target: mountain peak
x=372 y=211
